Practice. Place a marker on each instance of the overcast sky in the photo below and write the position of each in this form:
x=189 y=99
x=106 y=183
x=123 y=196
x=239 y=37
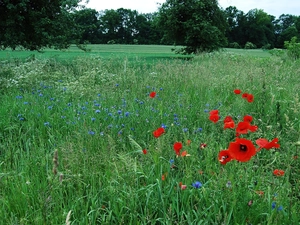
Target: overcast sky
x=272 y=7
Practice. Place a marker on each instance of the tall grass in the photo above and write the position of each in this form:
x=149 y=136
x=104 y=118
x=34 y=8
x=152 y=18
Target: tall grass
x=72 y=136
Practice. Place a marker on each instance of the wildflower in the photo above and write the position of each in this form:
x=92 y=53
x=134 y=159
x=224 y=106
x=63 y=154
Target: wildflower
x=177 y=147
x=237 y=91
x=264 y=143
x=241 y=150
x=158 y=132
x=244 y=95
x=91 y=132
x=260 y=193
x=188 y=142
x=197 y=184
x=163 y=177
x=250 y=202
x=273 y=205
x=278 y=173
x=224 y=157
x=280 y=208
x=152 y=94
x=145 y=151
x=185 y=153
x=182 y=186
x=97 y=111
x=228 y=184
x=228 y=122
x=214 y=116
x=203 y=145
x=244 y=126
x=250 y=98
x=248 y=118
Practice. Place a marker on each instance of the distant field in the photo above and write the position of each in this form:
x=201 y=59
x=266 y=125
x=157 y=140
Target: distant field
x=148 y=52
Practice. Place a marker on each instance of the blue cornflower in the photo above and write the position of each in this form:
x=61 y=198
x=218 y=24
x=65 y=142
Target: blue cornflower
x=127 y=114
x=197 y=184
x=97 y=111
x=91 y=132
x=93 y=119
x=185 y=129
x=119 y=112
x=19 y=97
x=46 y=124
x=69 y=104
x=163 y=126
x=273 y=205
x=172 y=161
x=50 y=107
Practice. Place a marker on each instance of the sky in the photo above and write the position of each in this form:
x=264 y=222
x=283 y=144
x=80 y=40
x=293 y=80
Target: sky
x=272 y=7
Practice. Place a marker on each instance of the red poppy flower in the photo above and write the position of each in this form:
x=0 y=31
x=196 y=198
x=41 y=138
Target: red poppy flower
x=158 y=132
x=214 y=115
x=152 y=94
x=264 y=143
x=224 y=157
x=244 y=126
x=250 y=98
x=237 y=91
x=145 y=151
x=242 y=149
x=229 y=125
x=214 y=118
x=278 y=173
x=248 y=118
x=177 y=147
x=215 y=111
x=228 y=122
x=244 y=95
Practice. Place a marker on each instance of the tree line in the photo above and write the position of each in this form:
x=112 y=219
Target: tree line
x=199 y=25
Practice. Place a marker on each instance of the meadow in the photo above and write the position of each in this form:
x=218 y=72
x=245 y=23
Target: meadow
x=138 y=137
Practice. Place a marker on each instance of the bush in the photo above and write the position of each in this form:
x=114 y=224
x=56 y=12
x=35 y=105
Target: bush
x=293 y=48
x=234 y=45
x=250 y=45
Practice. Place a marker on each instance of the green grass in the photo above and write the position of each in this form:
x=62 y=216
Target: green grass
x=95 y=113
x=149 y=52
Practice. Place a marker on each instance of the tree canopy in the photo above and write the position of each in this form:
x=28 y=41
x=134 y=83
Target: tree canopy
x=34 y=24
x=199 y=25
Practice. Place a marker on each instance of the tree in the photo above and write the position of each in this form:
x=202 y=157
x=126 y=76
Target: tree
x=88 y=26
x=36 y=24
x=199 y=25
x=285 y=29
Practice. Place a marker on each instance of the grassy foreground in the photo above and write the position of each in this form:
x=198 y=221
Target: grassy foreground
x=77 y=143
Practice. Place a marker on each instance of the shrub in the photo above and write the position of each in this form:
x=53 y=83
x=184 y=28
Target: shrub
x=293 y=48
x=234 y=45
x=250 y=45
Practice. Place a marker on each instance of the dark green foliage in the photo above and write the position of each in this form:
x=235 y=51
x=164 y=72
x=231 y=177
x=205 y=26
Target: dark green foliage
x=36 y=24
x=199 y=25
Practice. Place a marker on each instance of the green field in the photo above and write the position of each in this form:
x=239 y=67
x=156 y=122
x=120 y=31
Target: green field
x=149 y=53
x=78 y=142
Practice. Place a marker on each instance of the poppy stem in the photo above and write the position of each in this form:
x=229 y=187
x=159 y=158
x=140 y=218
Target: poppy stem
x=272 y=162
